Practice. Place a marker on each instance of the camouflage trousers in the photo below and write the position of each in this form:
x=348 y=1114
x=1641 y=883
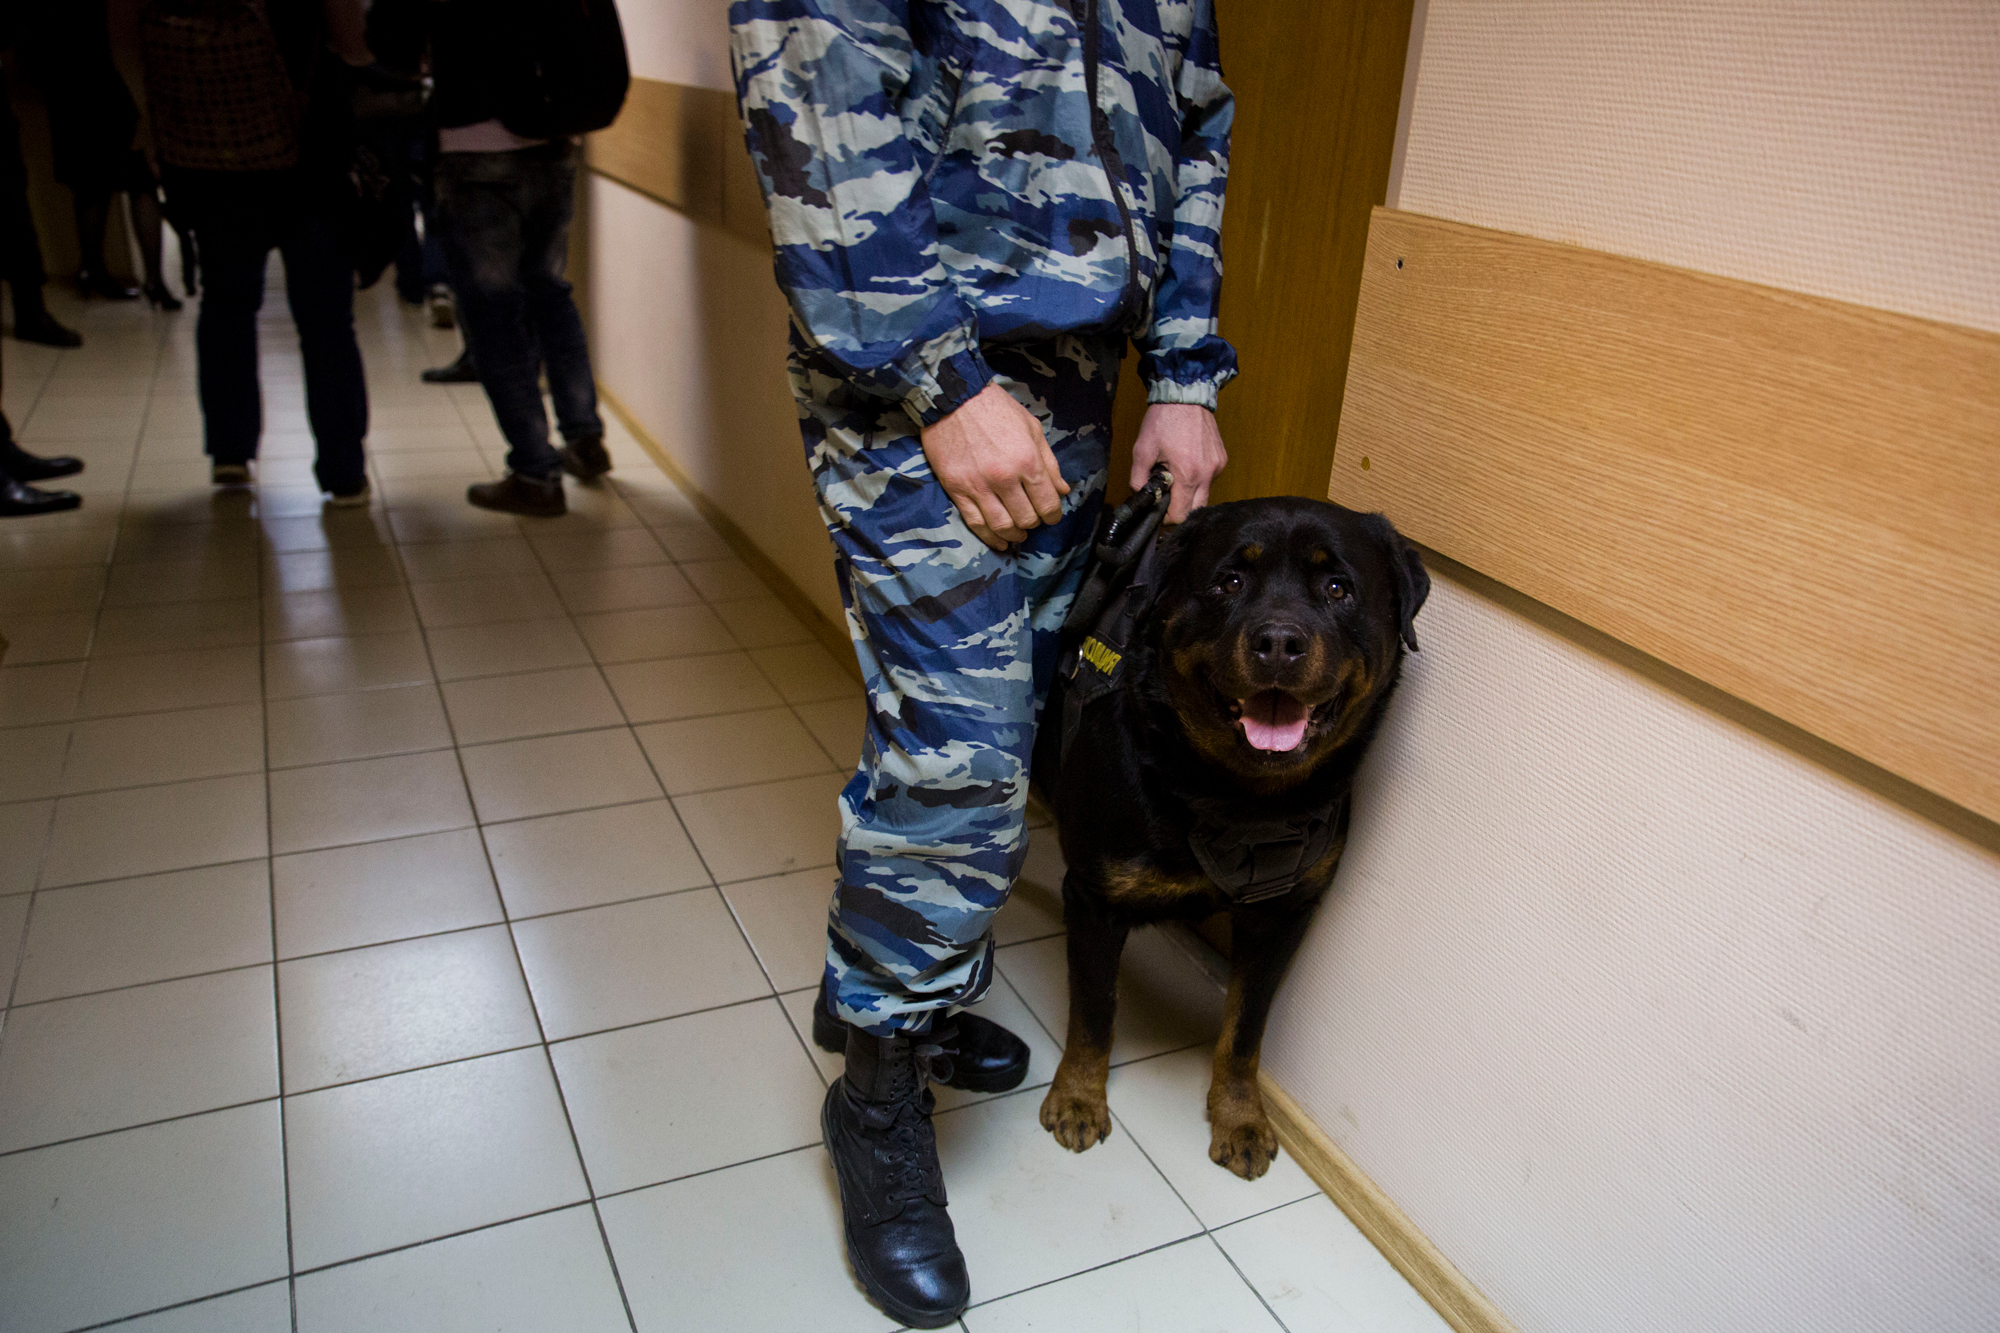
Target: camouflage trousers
x=957 y=645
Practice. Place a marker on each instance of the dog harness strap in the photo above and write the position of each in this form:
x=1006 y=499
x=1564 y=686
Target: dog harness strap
x=1256 y=860
x=1096 y=666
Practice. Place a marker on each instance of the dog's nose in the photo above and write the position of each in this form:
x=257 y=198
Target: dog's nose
x=1279 y=644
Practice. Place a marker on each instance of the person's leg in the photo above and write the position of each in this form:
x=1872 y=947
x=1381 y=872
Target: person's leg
x=549 y=201
x=319 y=280
x=144 y=210
x=479 y=211
x=225 y=334
x=20 y=247
x=957 y=647
x=93 y=214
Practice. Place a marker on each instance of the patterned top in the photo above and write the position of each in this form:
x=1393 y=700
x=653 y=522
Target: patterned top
x=942 y=173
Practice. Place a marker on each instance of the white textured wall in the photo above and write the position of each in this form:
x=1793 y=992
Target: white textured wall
x=1649 y=1023
x=688 y=329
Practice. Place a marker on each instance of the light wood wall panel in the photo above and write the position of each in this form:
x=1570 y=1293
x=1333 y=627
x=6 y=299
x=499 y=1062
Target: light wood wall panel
x=1794 y=499
x=683 y=146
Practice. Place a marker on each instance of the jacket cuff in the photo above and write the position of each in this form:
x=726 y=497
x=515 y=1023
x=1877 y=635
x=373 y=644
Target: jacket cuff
x=1201 y=393
x=948 y=386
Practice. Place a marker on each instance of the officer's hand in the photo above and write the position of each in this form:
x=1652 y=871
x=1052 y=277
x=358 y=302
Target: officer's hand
x=996 y=465
x=1184 y=436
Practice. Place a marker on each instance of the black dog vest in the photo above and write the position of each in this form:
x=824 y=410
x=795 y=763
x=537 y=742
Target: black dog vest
x=1251 y=860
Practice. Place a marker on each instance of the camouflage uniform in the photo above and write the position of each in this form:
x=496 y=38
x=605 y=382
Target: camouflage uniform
x=965 y=192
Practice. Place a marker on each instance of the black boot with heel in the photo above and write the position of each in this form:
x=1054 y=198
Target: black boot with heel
x=876 y=1124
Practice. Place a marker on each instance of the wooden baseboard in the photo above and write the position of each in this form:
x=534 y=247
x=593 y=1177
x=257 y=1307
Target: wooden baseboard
x=831 y=636
x=1455 y=1299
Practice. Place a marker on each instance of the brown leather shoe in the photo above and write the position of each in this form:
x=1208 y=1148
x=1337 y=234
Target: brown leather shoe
x=536 y=497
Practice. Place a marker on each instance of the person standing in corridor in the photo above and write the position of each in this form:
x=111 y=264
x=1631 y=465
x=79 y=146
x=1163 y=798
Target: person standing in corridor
x=515 y=83
x=974 y=206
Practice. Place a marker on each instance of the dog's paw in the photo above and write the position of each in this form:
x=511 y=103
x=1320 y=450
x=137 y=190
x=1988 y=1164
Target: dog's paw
x=1078 y=1121
x=1247 y=1147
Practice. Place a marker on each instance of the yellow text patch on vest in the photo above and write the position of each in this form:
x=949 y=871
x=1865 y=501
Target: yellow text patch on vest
x=1100 y=655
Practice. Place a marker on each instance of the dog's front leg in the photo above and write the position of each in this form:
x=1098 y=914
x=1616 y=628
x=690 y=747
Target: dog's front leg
x=1262 y=942
x=1075 y=1110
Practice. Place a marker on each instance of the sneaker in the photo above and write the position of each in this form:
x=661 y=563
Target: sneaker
x=350 y=499
x=585 y=457
x=230 y=474
x=536 y=497
x=444 y=312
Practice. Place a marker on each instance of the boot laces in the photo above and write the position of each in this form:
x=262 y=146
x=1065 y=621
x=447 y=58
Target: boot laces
x=914 y=1170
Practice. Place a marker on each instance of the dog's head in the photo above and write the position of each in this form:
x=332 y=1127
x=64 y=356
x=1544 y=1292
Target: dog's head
x=1279 y=628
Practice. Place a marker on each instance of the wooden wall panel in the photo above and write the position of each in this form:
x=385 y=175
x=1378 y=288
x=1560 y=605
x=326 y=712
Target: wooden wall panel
x=684 y=147
x=1794 y=499
x=1318 y=84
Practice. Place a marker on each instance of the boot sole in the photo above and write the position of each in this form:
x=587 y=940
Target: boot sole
x=890 y=1306
x=830 y=1035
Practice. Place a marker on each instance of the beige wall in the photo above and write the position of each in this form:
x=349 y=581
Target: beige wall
x=1650 y=1023
x=688 y=329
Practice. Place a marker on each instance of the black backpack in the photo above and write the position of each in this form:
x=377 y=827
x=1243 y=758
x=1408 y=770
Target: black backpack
x=577 y=73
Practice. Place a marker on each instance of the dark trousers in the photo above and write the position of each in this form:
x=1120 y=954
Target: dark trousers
x=20 y=247
x=240 y=222
x=504 y=219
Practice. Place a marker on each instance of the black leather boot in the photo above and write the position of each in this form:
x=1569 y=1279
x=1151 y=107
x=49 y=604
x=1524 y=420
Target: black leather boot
x=537 y=497
x=876 y=1123
x=985 y=1057
x=18 y=500
x=585 y=457
x=21 y=465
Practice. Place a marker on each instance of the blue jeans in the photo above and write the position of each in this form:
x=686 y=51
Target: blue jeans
x=957 y=645
x=241 y=217
x=504 y=219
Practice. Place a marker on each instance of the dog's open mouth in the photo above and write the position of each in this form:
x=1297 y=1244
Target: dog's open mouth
x=1272 y=720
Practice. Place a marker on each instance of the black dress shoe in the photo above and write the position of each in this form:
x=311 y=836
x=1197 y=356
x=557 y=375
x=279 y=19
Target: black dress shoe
x=985 y=1057
x=585 y=457
x=876 y=1124
x=18 y=500
x=21 y=465
x=39 y=326
x=99 y=283
x=461 y=371
x=537 y=497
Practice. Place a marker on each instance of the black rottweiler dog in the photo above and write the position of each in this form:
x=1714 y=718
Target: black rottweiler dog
x=1216 y=776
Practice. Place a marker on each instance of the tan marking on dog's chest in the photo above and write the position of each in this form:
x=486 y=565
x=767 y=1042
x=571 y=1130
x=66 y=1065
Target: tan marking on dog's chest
x=1134 y=883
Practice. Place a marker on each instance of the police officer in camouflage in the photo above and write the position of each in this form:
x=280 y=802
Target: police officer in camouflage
x=975 y=205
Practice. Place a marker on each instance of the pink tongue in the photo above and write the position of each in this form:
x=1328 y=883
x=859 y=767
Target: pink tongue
x=1274 y=721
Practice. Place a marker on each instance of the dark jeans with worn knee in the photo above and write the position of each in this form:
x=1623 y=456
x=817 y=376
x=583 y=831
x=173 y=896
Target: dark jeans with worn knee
x=240 y=222
x=504 y=219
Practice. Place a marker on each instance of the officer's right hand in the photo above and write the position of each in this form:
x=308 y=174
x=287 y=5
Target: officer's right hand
x=993 y=460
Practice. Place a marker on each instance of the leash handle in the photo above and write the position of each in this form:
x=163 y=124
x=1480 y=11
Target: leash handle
x=1133 y=523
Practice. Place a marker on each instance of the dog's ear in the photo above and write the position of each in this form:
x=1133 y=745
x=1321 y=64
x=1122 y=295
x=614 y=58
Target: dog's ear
x=1413 y=581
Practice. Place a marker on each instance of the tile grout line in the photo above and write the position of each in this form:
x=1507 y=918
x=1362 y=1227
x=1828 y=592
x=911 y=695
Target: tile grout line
x=277 y=992
x=521 y=969
x=69 y=741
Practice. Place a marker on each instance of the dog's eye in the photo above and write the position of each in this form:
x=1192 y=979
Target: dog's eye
x=1229 y=582
x=1336 y=591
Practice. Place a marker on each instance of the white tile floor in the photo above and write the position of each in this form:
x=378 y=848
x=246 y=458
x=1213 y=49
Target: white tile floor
x=408 y=920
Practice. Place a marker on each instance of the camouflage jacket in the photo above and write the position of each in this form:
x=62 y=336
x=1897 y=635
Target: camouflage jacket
x=942 y=173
